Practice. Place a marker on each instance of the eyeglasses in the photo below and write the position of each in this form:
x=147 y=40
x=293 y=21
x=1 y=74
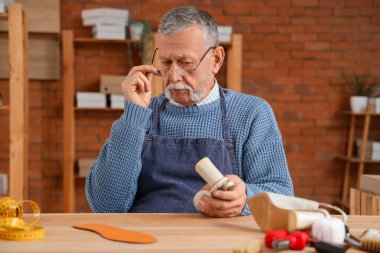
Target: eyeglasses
x=181 y=71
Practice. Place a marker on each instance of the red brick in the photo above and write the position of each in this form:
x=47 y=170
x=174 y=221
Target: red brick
x=322 y=12
x=354 y=55
x=276 y=20
x=331 y=3
x=317 y=46
x=249 y=20
x=291 y=11
x=303 y=20
x=265 y=28
x=308 y=3
x=291 y=29
x=287 y=98
x=276 y=38
x=303 y=37
x=263 y=10
x=237 y=10
x=316 y=64
x=346 y=11
x=370 y=11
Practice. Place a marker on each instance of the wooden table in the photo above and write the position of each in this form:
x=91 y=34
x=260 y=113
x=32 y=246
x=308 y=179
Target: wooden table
x=174 y=233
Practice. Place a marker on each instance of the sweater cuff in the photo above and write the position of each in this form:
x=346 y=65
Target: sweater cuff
x=246 y=210
x=135 y=114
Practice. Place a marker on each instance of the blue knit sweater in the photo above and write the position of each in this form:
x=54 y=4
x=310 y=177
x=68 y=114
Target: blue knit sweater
x=111 y=183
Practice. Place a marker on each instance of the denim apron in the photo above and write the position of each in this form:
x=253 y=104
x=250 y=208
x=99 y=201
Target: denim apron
x=168 y=181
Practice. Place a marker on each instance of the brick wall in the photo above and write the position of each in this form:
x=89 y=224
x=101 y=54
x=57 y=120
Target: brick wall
x=293 y=54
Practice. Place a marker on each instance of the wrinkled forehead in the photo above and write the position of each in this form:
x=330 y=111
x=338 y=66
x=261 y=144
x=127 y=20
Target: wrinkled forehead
x=188 y=42
x=176 y=54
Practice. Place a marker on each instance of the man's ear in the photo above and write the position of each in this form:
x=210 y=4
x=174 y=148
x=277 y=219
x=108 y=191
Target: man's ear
x=218 y=59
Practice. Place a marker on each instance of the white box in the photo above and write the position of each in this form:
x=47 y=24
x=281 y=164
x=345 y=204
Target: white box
x=372 y=149
x=109 y=36
x=224 y=37
x=117 y=104
x=91 y=104
x=108 y=28
x=110 y=12
x=225 y=29
x=83 y=95
x=105 y=21
x=2 y=7
x=4 y=4
x=117 y=98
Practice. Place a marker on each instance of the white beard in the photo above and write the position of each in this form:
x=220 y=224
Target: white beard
x=194 y=96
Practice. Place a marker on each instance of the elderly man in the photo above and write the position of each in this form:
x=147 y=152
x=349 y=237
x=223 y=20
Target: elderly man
x=147 y=164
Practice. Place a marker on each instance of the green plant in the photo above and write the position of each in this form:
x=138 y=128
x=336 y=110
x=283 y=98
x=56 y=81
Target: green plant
x=359 y=84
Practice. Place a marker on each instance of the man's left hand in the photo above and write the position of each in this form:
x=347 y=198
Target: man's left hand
x=225 y=203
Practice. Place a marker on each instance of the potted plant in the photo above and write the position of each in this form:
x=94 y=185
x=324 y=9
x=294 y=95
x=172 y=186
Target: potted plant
x=362 y=89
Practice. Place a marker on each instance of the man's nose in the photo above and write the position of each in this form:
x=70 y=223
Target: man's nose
x=174 y=74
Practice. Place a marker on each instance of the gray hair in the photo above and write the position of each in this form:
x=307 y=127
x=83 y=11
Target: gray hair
x=180 y=18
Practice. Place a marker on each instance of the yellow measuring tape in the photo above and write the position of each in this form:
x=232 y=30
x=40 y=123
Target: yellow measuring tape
x=13 y=227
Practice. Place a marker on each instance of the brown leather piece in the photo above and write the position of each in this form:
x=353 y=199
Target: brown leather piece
x=118 y=234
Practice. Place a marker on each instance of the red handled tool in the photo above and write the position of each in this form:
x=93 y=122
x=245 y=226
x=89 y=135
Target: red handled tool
x=281 y=239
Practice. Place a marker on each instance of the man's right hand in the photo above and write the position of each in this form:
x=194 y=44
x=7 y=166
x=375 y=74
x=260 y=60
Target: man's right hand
x=137 y=85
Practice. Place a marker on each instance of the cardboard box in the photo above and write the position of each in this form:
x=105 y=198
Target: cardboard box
x=111 y=84
x=370 y=183
x=84 y=165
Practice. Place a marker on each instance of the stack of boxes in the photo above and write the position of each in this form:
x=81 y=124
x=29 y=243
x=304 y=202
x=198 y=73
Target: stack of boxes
x=107 y=23
x=225 y=33
x=111 y=84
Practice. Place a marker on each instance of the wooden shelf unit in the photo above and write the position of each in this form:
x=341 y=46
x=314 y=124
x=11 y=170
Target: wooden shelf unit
x=18 y=96
x=349 y=157
x=233 y=78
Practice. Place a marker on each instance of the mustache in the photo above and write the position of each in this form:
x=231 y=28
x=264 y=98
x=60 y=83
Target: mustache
x=178 y=86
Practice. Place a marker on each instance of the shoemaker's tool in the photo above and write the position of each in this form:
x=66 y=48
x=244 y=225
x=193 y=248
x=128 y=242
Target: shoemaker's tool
x=281 y=239
x=216 y=181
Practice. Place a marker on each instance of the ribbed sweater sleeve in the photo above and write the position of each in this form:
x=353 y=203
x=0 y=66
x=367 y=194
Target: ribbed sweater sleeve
x=264 y=165
x=111 y=183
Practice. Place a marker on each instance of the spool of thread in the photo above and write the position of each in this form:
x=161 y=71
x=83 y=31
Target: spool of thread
x=328 y=229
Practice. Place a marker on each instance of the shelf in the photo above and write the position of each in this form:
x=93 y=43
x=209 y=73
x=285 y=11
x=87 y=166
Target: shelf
x=104 y=41
x=108 y=41
x=355 y=159
x=3 y=16
x=360 y=113
x=4 y=108
x=99 y=109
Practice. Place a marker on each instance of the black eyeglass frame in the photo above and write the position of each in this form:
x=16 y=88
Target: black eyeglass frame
x=158 y=72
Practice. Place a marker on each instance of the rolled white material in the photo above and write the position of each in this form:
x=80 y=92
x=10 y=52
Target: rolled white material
x=207 y=170
x=298 y=220
x=328 y=230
